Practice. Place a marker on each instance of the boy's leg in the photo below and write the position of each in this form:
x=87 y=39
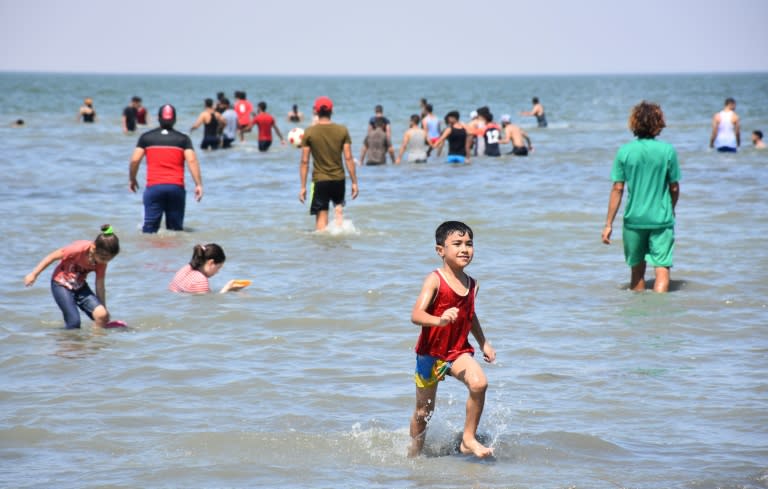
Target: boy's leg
x=65 y=299
x=637 y=281
x=466 y=369
x=153 y=210
x=175 y=204
x=662 y=247
x=338 y=211
x=662 y=280
x=321 y=220
x=425 y=406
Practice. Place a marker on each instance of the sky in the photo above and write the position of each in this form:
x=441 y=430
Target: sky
x=389 y=37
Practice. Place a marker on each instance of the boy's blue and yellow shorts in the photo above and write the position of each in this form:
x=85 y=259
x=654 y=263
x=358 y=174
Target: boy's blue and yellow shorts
x=430 y=370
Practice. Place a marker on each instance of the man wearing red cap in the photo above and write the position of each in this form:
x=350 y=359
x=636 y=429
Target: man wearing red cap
x=327 y=142
x=166 y=149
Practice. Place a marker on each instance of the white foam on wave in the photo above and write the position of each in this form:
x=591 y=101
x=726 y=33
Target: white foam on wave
x=347 y=228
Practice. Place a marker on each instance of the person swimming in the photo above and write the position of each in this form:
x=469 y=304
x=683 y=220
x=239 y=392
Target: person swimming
x=294 y=115
x=537 y=111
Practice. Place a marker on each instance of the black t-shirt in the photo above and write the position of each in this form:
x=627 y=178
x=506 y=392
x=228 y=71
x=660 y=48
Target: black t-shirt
x=130 y=118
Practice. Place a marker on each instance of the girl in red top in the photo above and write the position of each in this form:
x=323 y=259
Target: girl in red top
x=206 y=262
x=68 y=285
x=445 y=310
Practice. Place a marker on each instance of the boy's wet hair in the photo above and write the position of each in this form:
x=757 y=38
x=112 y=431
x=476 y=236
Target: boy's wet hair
x=203 y=253
x=535 y=100
x=262 y=106
x=209 y=102
x=454 y=114
x=106 y=242
x=758 y=133
x=445 y=229
x=415 y=119
x=646 y=120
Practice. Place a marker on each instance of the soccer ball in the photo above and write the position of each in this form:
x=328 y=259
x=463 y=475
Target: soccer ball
x=295 y=136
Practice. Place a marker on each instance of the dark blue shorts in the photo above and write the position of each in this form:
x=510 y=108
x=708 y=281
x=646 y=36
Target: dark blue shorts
x=165 y=199
x=210 y=142
x=264 y=145
x=727 y=149
x=70 y=300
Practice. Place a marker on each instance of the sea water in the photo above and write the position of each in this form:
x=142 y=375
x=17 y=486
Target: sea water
x=304 y=379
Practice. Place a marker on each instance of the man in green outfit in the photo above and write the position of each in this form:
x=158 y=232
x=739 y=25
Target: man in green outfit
x=327 y=142
x=650 y=170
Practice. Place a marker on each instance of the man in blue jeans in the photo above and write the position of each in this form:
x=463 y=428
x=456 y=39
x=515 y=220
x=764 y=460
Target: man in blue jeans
x=166 y=150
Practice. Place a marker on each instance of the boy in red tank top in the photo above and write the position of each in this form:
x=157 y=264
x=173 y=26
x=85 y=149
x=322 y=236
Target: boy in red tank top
x=445 y=310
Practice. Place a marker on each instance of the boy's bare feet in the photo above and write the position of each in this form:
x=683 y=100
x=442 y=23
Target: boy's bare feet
x=475 y=448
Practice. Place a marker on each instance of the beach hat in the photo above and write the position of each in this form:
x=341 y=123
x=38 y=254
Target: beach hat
x=506 y=118
x=473 y=114
x=323 y=101
x=167 y=115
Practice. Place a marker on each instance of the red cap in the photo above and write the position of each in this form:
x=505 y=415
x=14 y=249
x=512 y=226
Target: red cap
x=167 y=112
x=321 y=102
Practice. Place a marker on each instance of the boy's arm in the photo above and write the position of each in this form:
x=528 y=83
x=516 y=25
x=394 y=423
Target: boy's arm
x=406 y=138
x=614 y=201
x=52 y=257
x=674 y=192
x=737 y=130
x=715 y=123
x=363 y=152
x=350 y=162
x=279 y=134
x=489 y=354
x=197 y=122
x=419 y=314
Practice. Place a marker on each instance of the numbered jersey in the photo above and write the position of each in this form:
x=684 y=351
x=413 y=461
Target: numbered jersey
x=492 y=136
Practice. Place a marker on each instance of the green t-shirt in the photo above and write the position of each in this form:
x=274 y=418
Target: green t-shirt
x=326 y=143
x=647 y=167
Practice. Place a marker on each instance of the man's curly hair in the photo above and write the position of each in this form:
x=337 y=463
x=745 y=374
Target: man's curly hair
x=646 y=120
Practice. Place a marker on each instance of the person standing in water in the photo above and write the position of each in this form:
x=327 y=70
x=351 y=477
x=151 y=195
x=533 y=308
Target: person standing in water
x=757 y=139
x=212 y=122
x=537 y=111
x=68 y=282
x=651 y=173
x=726 y=134
x=459 y=140
x=431 y=125
x=445 y=311
x=328 y=143
x=521 y=143
x=415 y=142
x=295 y=115
x=87 y=113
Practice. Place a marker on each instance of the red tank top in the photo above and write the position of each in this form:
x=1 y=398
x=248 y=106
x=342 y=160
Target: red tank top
x=450 y=341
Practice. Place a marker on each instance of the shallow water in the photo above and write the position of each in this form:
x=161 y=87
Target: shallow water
x=304 y=378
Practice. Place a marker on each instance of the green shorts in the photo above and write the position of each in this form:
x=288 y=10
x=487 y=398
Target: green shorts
x=653 y=246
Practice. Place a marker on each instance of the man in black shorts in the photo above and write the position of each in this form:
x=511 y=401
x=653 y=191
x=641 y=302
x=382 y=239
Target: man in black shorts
x=327 y=142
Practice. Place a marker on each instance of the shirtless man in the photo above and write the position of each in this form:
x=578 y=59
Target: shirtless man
x=514 y=134
x=537 y=111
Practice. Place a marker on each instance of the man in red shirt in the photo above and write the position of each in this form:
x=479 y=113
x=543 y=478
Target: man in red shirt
x=265 y=122
x=166 y=150
x=244 y=110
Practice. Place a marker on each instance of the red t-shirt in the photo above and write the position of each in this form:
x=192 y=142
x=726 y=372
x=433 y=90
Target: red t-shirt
x=264 y=122
x=450 y=341
x=244 y=109
x=191 y=281
x=76 y=264
x=165 y=155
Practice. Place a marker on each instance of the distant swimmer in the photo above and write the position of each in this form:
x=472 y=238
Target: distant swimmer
x=537 y=111
x=415 y=142
x=206 y=262
x=244 y=110
x=129 y=115
x=431 y=125
x=142 y=116
x=491 y=135
x=445 y=312
x=650 y=171
x=376 y=146
x=328 y=143
x=521 y=143
x=166 y=150
x=266 y=124
x=18 y=123
x=295 y=115
x=726 y=136
x=757 y=139
x=229 y=131
x=458 y=137
x=212 y=121
x=87 y=113
x=379 y=115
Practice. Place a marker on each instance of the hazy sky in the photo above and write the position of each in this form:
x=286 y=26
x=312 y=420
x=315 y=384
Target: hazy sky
x=388 y=37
